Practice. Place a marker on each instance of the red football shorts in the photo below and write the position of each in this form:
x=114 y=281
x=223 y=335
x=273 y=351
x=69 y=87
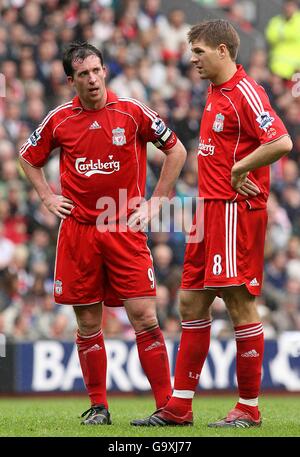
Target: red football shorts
x=231 y=252
x=92 y=267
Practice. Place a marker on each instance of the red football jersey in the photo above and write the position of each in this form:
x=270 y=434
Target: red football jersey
x=101 y=151
x=237 y=119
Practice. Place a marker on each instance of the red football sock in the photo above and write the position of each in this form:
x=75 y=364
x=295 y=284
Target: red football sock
x=249 y=358
x=93 y=362
x=192 y=352
x=252 y=410
x=154 y=360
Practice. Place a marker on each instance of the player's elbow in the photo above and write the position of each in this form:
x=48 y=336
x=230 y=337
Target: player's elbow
x=286 y=145
x=182 y=152
x=179 y=152
x=25 y=166
x=22 y=162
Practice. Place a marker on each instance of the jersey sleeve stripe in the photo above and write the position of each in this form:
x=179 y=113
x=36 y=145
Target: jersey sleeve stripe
x=54 y=111
x=140 y=103
x=254 y=94
x=26 y=145
x=258 y=106
x=252 y=89
x=151 y=114
x=249 y=100
x=64 y=120
x=24 y=148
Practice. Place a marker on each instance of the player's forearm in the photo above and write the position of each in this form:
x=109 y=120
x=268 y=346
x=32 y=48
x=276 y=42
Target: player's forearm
x=171 y=169
x=37 y=177
x=265 y=155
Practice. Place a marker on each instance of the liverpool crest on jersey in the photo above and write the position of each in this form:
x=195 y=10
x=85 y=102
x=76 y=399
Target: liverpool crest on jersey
x=118 y=136
x=218 y=125
x=58 y=287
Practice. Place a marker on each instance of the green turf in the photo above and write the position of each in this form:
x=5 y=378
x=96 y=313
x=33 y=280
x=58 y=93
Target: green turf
x=46 y=417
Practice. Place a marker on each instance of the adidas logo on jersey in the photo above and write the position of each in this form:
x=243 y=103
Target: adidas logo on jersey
x=94 y=125
x=254 y=282
x=209 y=107
x=251 y=353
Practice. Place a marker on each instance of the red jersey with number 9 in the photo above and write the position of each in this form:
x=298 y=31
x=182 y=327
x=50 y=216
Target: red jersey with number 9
x=101 y=152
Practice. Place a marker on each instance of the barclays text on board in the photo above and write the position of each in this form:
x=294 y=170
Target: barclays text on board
x=51 y=366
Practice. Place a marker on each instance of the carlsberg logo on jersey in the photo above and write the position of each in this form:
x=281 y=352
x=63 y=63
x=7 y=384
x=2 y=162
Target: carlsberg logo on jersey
x=206 y=149
x=89 y=167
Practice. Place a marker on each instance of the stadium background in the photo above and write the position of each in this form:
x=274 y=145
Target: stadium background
x=147 y=57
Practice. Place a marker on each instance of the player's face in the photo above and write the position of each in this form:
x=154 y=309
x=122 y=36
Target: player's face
x=206 y=60
x=89 y=81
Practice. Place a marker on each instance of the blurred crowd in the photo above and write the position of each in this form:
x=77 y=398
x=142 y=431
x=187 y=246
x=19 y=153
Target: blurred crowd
x=147 y=57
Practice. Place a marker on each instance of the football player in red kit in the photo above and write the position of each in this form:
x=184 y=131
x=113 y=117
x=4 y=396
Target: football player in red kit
x=240 y=136
x=102 y=140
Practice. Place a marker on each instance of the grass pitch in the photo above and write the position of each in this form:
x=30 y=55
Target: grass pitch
x=59 y=417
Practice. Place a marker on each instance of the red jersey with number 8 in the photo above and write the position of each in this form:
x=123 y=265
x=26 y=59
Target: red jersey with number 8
x=237 y=119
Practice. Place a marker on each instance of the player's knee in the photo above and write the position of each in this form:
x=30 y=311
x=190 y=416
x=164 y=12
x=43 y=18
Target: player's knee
x=88 y=327
x=186 y=307
x=234 y=308
x=241 y=306
x=143 y=321
x=184 y=311
x=242 y=313
x=88 y=318
x=192 y=307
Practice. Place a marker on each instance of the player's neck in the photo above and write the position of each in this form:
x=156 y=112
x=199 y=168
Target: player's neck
x=94 y=105
x=225 y=75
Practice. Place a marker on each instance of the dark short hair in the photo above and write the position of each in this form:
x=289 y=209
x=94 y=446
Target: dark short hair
x=214 y=33
x=78 y=50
